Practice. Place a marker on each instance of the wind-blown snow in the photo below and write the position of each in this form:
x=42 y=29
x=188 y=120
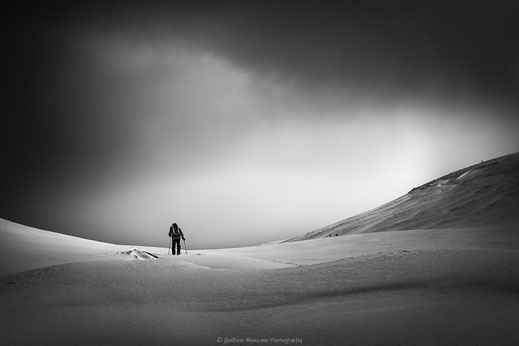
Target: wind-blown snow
x=455 y=284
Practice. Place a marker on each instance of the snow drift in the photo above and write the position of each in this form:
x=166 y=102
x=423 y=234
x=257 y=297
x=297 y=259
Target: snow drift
x=25 y=248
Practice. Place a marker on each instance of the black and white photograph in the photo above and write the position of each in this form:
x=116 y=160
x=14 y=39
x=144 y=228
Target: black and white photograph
x=259 y=172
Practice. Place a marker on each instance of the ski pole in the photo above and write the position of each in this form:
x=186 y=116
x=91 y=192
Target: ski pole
x=169 y=246
x=185 y=247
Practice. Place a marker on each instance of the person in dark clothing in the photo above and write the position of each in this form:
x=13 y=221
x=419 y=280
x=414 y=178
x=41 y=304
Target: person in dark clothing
x=175 y=233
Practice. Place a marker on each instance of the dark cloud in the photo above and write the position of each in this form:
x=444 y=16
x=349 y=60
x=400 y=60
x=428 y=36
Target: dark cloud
x=368 y=49
x=381 y=46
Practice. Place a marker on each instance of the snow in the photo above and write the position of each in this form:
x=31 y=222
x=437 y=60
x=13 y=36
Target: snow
x=442 y=285
x=445 y=286
x=464 y=175
x=487 y=195
x=140 y=255
x=24 y=248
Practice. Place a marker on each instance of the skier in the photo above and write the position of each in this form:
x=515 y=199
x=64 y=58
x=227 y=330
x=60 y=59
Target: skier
x=175 y=233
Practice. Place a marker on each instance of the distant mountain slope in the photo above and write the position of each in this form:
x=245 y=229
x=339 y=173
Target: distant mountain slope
x=483 y=194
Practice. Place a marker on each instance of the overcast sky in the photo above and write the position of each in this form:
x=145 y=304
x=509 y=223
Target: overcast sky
x=245 y=122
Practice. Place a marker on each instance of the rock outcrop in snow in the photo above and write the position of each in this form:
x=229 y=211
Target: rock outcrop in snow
x=140 y=254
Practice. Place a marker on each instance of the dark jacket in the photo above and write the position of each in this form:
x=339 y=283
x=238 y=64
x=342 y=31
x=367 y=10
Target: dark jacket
x=174 y=235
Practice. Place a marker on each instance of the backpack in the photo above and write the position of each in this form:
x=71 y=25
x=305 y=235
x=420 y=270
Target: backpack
x=174 y=233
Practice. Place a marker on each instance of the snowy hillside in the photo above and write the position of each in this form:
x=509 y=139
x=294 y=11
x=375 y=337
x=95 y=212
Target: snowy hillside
x=484 y=194
x=25 y=248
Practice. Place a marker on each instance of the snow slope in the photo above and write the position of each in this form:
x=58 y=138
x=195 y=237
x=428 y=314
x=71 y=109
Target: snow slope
x=456 y=283
x=480 y=195
x=25 y=248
